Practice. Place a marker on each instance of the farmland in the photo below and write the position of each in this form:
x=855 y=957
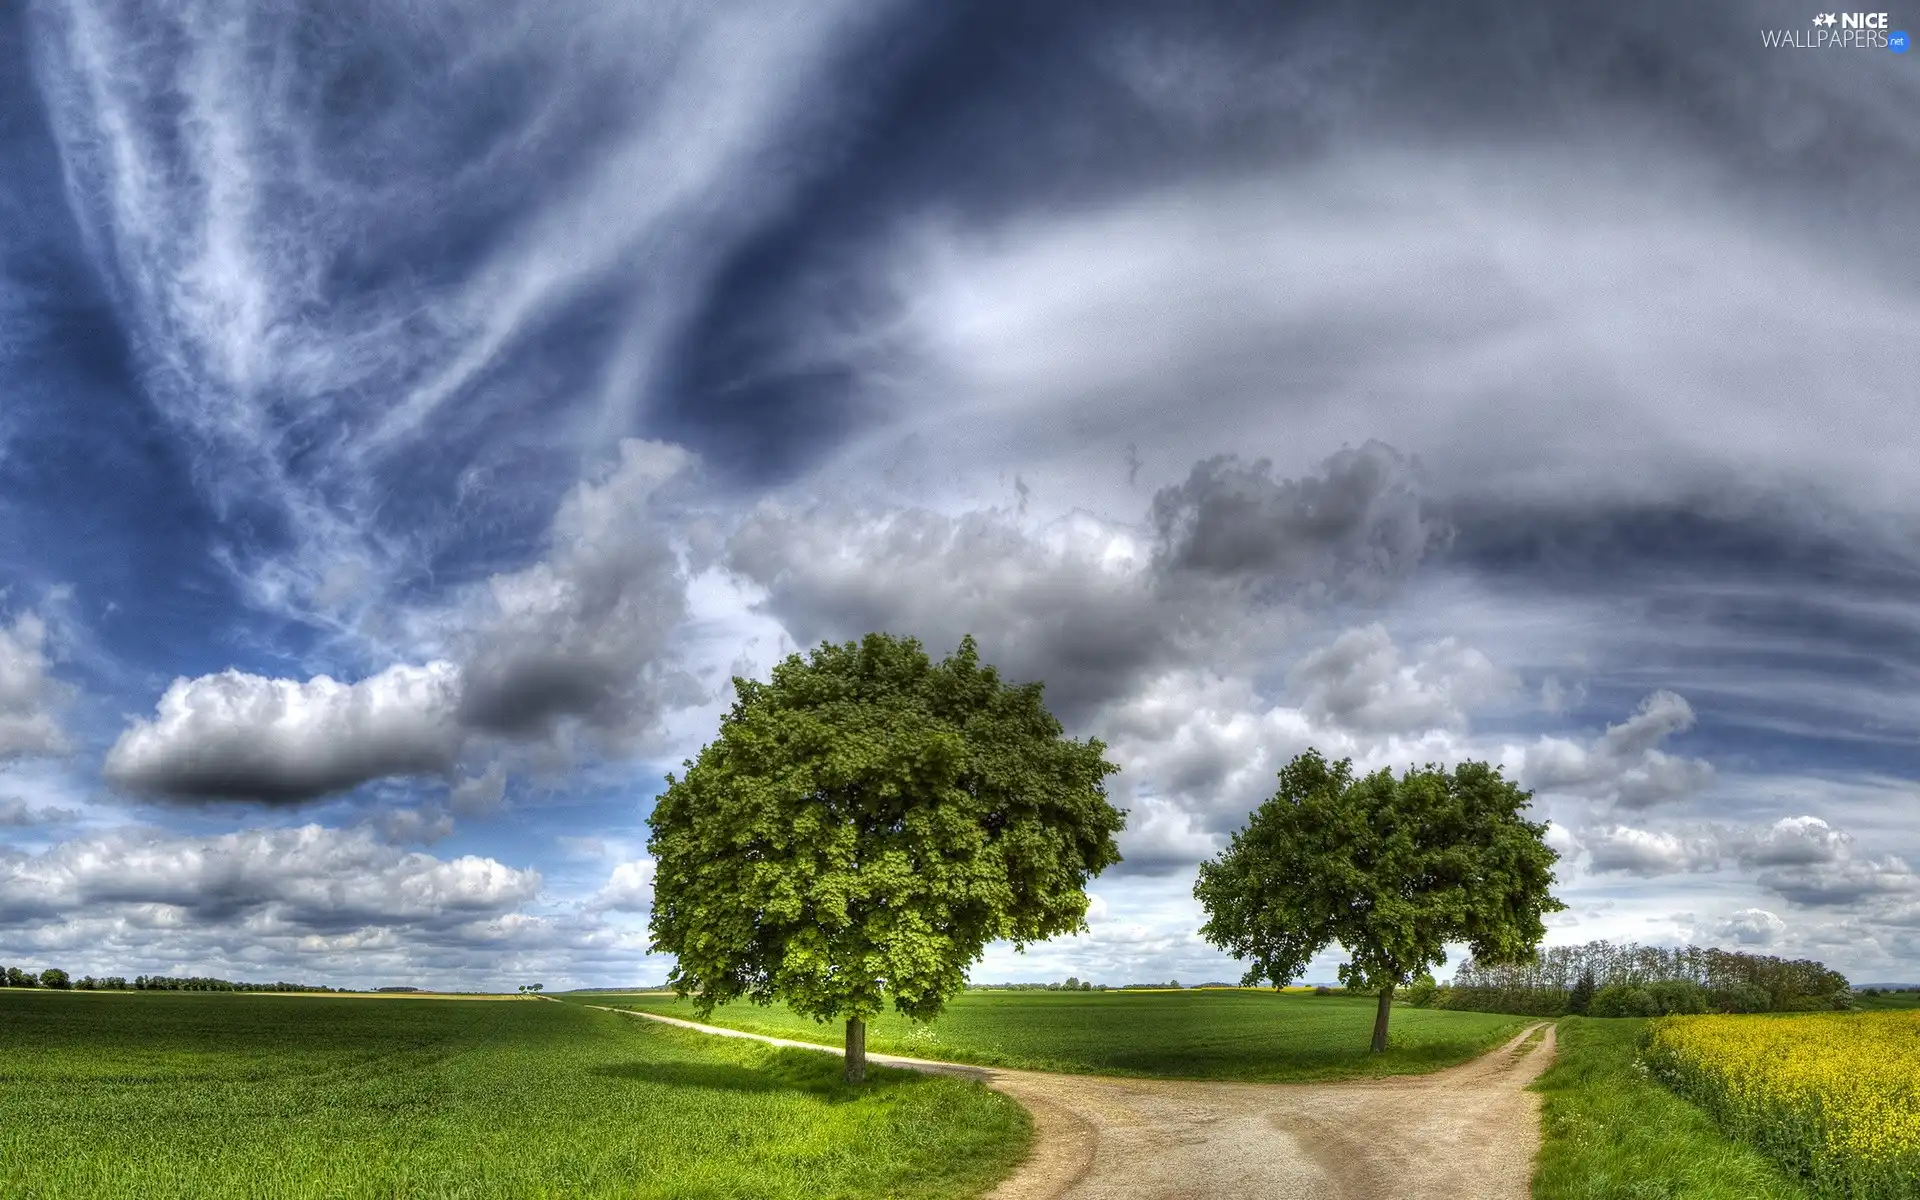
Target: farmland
x=1610 y=1130
x=222 y=1095
x=1834 y=1097
x=1212 y=1034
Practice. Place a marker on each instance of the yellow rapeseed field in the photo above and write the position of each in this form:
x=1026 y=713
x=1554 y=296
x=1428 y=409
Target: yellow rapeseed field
x=1834 y=1095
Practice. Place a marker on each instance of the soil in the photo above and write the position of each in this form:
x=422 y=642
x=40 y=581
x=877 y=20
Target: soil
x=1471 y=1131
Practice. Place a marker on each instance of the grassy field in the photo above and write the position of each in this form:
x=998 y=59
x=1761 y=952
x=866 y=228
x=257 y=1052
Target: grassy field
x=216 y=1095
x=1887 y=1002
x=1609 y=1131
x=1251 y=1035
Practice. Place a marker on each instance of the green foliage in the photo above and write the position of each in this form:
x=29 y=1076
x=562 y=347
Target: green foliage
x=1422 y=992
x=1610 y=1132
x=176 y=1096
x=1624 y=1000
x=1888 y=1000
x=204 y=983
x=54 y=977
x=1257 y=1035
x=1580 y=998
x=1391 y=869
x=1678 y=997
x=1731 y=979
x=864 y=824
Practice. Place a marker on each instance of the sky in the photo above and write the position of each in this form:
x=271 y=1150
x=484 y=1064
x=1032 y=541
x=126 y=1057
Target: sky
x=413 y=415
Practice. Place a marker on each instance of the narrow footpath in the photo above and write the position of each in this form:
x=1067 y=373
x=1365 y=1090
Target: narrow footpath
x=1470 y=1131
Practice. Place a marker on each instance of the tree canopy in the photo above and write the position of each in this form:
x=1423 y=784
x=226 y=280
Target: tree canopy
x=1390 y=868
x=864 y=824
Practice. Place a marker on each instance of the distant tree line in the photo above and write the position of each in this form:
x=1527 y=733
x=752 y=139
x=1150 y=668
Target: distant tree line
x=1607 y=980
x=1072 y=984
x=54 y=977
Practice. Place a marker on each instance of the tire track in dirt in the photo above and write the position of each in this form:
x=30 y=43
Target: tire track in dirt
x=1469 y=1131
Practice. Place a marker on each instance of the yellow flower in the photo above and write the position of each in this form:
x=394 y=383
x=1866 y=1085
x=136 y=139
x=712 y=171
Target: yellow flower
x=1835 y=1094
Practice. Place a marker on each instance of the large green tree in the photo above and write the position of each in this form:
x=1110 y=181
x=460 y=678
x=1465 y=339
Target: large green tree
x=864 y=824
x=1390 y=868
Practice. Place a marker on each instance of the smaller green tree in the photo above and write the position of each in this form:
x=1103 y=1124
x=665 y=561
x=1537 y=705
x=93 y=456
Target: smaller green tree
x=54 y=977
x=1580 y=999
x=1392 y=869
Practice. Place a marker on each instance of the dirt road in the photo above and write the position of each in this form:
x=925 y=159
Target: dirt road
x=1469 y=1132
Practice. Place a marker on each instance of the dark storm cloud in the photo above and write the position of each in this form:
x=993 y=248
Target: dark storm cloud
x=1769 y=608
x=1356 y=525
x=1088 y=606
x=1009 y=110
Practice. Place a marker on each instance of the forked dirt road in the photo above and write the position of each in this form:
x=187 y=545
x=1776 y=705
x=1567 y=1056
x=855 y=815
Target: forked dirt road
x=1469 y=1132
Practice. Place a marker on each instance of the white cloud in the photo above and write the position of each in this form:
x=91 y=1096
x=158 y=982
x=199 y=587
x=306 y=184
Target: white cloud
x=16 y=813
x=311 y=903
x=240 y=736
x=628 y=889
x=28 y=694
x=1624 y=766
x=1645 y=852
x=1753 y=927
x=288 y=882
x=481 y=794
x=1070 y=603
x=586 y=634
x=421 y=826
x=1506 y=315
x=1362 y=682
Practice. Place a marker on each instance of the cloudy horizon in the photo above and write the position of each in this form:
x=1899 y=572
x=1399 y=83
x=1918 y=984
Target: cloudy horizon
x=414 y=417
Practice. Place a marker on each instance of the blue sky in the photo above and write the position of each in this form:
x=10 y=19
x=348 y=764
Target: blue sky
x=411 y=416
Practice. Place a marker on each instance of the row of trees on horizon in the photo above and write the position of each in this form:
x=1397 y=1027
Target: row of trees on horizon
x=57 y=979
x=1641 y=980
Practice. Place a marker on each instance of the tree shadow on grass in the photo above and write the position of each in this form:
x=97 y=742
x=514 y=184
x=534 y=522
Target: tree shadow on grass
x=785 y=1071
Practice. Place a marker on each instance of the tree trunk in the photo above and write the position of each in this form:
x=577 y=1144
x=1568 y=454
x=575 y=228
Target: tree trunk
x=1380 y=1020
x=856 y=1050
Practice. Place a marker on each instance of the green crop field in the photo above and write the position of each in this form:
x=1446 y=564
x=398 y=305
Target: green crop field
x=220 y=1095
x=1213 y=1034
x=1887 y=1002
x=1610 y=1131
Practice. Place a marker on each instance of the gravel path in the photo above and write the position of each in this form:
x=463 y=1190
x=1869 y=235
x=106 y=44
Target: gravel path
x=1468 y=1132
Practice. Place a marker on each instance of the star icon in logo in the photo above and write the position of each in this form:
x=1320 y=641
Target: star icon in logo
x=1825 y=19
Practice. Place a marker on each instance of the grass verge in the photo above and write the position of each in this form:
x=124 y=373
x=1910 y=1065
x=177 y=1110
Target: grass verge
x=1609 y=1131
x=1215 y=1034
x=212 y=1095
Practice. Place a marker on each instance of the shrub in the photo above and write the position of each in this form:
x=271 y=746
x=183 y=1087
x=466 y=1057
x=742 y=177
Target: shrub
x=1322 y=990
x=1422 y=992
x=1580 y=999
x=1742 y=998
x=1624 y=1000
x=1679 y=997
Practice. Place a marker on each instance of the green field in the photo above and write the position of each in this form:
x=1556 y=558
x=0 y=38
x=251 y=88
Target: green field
x=1887 y=1002
x=221 y=1095
x=1214 y=1034
x=1609 y=1131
